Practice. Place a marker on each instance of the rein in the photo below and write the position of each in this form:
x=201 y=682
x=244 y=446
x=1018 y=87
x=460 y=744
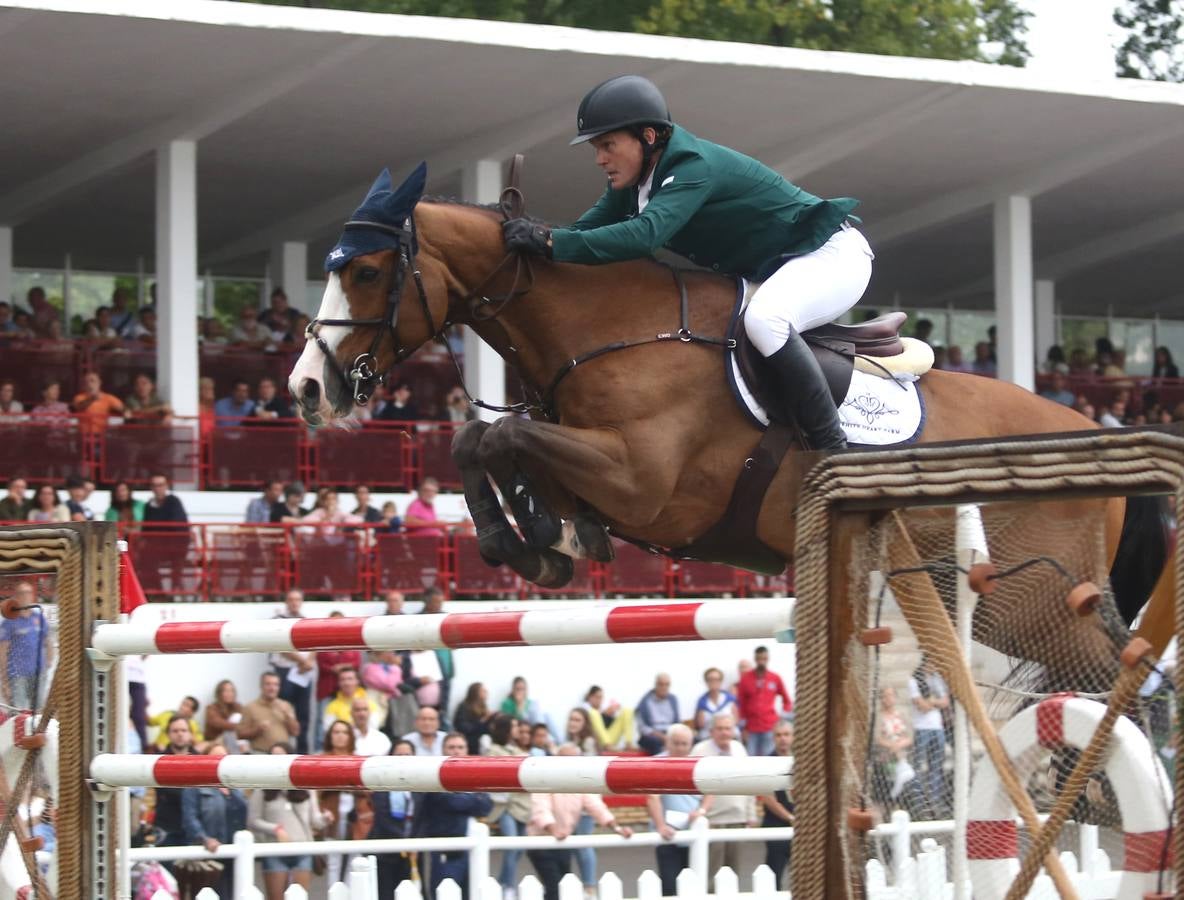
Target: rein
x=363 y=376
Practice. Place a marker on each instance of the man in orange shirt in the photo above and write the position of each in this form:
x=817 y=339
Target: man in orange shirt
x=93 y=406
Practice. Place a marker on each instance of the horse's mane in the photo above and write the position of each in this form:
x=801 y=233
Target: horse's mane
x=493 y=209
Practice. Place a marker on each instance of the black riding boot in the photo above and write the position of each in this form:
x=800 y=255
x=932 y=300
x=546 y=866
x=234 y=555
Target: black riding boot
x=805 y=397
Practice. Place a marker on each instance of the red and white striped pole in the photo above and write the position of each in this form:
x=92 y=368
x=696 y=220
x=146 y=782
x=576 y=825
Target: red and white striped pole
x=709 y=620
x=532 y=774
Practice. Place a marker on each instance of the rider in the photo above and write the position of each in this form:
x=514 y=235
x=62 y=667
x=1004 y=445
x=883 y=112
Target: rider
x=724 y=211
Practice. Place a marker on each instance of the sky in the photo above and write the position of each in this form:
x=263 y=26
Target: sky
x=1072 y=36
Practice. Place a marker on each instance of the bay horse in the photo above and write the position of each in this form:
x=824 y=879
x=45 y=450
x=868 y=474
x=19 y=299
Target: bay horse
x=647 y=440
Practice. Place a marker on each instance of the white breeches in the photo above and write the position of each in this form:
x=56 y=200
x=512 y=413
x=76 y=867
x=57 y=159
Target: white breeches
x=809 y=290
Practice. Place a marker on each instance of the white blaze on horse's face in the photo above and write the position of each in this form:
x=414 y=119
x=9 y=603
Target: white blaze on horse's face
x=310 y=383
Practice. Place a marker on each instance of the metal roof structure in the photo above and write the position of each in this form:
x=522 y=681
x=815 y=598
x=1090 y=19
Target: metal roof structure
x=294 y=111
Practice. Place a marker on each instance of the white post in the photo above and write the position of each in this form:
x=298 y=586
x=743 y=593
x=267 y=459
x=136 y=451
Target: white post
x=530 y=888
x=362 y=885
x=207 y=294
x=295 y=892
x=339 y=891
x=649 y=886
x=1045 y=303
x=971 y=547
x=485 y=372
x=67 y=291
x=700 y=846
x=6 y=264
x=409 y=890
x=764 y=882
x=489 y=890
x=689 y=887
x=118 y=685
x=1087 y=838
x=141 y=284
x=1013 y=290
x=901 y=845
x=931 y=875
x=479 y=855
x=610 y=888
x=176 y=275
x=244 y=864
x=289 y=261
x=570 y=887
x=727 y=884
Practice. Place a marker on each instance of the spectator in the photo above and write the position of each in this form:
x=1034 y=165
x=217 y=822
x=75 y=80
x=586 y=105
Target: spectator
x=15 y=506
x=296 y=670
x=78 y=494
x=285 y=816
x=420 y=518
x=1057 y=392
x=187 y=710
x=51 y=405
x=1055 y=361
x=1165 y=366
x=327 y=512
x=779 y=808
x=259 y=509
x=520 y=706
x=656 y=712
x=24 y=325
x=270 y=406
x=940 y=358
x=144 y=406
x=891 y=769
x=341 y=704
x=579 y=732
x=336 y=806
x=954 y=361
x=93 y=406
x=268 y=720
x=458 y=407
x=472 y=716
x=393 y=601
x=399 y=406
x=757 y=701
x=207 y=418
x=381 y=677
x=47 y=507
x=124 y=507
x=249 y=333
x=541 y=741
x=165 y=514
x=714 y=700
x=428 y=739
x=233 y=409
x=297 y=336
x=164 y=506
x=26 y=653
x=122 y=315
x=390 y=520
x=1106 y=359
x=279 y=317
x=224 y=715
x=101 y=329
x=167 y=815
x=393 y=811
x=923 y=331
x=558 y=815
x=144 y=328
x=8 y=327
x=1079 y=362
x=437 y=665
x=1113 y=416
x=211 y=816
x=289 y=509
x=511 y=811
x=611 y=725
x=11 y=409
x=362 y=507
x=724 y=811
x=930 y=698
x=671 y=813
x=983 y=363
x=367 y=737
x=211 y=331
x=42 y=311
x=330 y=665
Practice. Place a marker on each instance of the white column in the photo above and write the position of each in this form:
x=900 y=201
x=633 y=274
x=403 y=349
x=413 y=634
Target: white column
x=289 y=263
x=1046 y=317
x=207 y=294
x=176 y=275
x=67 y=293
x=1013 y=290
x=485 y=372
x=6 y=263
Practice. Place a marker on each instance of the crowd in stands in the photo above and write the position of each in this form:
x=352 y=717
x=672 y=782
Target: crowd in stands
x=403 y=703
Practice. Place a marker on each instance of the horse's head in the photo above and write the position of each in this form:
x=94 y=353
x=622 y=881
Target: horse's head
x=375 y=310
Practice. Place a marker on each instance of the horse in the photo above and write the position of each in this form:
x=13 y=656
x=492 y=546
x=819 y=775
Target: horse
x=645 y=441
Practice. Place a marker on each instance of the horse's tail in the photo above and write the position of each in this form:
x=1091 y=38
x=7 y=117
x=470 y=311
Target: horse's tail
x=1142 y=553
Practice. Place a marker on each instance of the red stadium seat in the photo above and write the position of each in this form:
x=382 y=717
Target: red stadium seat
x=169 y=560
x=247 y=455
x=247 y=560
x=409 y=563
x=31 y=364
x=41 y=452
x=699 y=579
x=118 y=367
x=328 y=560
x=434 y=442
x=377 y=455
x=769 y=585
x=133 y=452
x=473 y=577
x=635 y=571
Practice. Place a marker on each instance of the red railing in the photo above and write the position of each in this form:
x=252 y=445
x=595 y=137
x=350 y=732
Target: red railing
x=220 y=562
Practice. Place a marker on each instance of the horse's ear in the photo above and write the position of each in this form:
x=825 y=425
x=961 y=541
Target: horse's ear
x=403 y=199
x=381 y=184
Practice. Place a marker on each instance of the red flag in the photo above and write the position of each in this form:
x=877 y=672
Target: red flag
x=131 y=594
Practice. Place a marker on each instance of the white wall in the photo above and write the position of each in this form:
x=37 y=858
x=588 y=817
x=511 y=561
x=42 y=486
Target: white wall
x=558 y=676
x=231 y=506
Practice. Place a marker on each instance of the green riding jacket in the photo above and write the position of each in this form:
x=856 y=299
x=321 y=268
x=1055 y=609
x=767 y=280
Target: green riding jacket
x=720 y=209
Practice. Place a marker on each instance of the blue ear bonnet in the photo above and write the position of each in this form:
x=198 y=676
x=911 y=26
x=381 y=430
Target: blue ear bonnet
x=390 y=212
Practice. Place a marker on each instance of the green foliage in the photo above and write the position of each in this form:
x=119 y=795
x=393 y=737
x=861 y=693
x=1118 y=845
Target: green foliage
x=1154 y=45
x=989 y=30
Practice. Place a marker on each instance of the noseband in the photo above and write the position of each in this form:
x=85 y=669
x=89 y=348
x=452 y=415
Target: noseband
x=363 y=376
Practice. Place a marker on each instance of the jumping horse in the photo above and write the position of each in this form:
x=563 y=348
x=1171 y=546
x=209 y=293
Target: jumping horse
x=632 y=425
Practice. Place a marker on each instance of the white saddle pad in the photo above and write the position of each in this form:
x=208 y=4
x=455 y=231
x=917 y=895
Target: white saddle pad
x=875 y=413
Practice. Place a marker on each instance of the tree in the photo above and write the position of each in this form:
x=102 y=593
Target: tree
x=1154 y=45
x=988 y=30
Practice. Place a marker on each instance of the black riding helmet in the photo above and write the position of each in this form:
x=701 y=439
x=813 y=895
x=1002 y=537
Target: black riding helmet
x=621 y=102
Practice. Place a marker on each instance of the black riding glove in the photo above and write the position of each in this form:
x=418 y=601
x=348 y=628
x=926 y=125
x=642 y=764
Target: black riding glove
x=525 y=236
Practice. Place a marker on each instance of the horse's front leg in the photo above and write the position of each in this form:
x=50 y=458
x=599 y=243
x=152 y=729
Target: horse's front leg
x=496 y=538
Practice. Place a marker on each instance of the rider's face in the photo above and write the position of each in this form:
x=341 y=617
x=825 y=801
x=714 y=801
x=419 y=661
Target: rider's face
x=619 y=156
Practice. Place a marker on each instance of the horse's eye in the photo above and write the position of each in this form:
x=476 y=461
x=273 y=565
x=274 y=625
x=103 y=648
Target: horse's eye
x=366 y=275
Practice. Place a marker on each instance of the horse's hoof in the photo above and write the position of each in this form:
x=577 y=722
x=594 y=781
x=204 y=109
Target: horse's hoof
x=594 y=539
x=465 y=443
x=555 y=570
